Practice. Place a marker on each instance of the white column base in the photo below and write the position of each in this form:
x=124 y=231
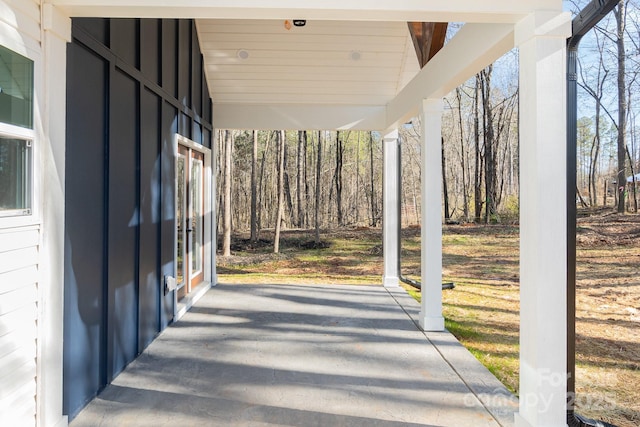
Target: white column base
x=391 y=281
x=431 y=324
x=63 y=422
x=521 y=422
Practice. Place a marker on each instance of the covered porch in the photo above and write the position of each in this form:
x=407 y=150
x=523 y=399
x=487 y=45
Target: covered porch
x=251 y=355
x=261 y=76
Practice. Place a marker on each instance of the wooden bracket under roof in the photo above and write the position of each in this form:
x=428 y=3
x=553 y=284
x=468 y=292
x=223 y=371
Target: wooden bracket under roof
x=428 y=38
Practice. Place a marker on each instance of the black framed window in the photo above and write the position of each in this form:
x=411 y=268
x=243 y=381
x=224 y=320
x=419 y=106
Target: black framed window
x=15 y=176
x=16 y=89
x=16 y=114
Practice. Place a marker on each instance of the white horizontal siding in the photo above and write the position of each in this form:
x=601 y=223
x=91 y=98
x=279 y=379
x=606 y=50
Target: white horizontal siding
x=14 y=405
x=23 y=15
x=20 y=30
x=18 y=324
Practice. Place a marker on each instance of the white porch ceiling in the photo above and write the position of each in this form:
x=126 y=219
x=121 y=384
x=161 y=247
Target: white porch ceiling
x=324 y=62
x=306 y=78
x=479 y=11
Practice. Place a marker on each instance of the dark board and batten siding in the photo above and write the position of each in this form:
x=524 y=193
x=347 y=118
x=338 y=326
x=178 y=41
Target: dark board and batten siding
x=131 y=85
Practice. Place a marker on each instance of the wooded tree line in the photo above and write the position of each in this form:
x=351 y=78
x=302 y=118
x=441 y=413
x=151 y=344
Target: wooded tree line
x=608 y=149
x=325 y=179
x=268 y=179
x=479 y=149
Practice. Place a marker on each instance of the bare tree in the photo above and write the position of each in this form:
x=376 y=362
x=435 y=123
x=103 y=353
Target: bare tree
x=302 y=142
x=465 y=194
x=478 y=154
x=596 y=91
x=621 y=16
x=445 y=188
x=226 y=236
x=337 y=177
x=318 y=173
x=261 y=179
x=374 y=214
x=254 y=188
x=280 y=212
x=287 y=185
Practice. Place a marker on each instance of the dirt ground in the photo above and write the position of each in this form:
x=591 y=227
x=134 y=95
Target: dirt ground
x=483 y=309
x=608 y=315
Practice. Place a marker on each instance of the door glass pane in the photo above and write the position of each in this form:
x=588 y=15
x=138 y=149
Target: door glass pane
x=16 y=89
x=180 y=218
x=15 y=173
x=196 y=219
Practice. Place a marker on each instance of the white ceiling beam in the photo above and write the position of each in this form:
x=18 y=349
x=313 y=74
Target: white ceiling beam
x=309 y=117
x=473 y=48
x=495 y=11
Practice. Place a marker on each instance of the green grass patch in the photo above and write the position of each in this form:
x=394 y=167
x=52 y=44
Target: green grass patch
x=460 y=330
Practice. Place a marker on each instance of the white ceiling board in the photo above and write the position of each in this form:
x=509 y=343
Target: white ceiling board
x=493 y=11
x=327 y=27
x=306 y=65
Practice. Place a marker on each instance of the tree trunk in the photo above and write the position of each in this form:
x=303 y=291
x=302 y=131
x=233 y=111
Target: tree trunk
x=445 y=189
x=254 y=188
x=595 y=150
x=307 y=190
x=582 y=202
x=302 y=141
x=317 y=206
x=226 y=236
x=338 y=178
x=287 y=185
x=620 y=15
x=478 y=157
x=357 y=185
x=374 y=221
x=633 y=181
x=465 y=196
x=489 y=146
x=260 y=186
x=276 y=239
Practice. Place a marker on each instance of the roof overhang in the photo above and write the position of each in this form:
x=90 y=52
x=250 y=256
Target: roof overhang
x=474 y=47
x=354 y=65
x=487 y=11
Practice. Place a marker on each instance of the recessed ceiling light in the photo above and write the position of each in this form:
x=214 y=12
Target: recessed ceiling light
x=243 y=54
x=354 y=55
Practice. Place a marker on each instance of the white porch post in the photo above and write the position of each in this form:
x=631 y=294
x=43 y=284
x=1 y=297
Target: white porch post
x=542 y=41
x=56 y=35
x=431 y=235
x=391 y=208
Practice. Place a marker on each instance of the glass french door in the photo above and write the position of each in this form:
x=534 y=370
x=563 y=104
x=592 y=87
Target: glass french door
x=189 y=219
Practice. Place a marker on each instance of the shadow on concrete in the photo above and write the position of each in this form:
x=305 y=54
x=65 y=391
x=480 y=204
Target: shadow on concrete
x=299 y=356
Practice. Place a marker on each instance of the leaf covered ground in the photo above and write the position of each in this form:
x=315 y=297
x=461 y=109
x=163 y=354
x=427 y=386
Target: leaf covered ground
x=482 y=311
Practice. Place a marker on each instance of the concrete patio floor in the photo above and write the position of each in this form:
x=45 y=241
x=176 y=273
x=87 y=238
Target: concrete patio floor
x=283 y=355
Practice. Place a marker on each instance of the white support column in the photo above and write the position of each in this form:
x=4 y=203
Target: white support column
x=542 y=41
x=431 y=235
x=391 y=209
x=56 y=35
